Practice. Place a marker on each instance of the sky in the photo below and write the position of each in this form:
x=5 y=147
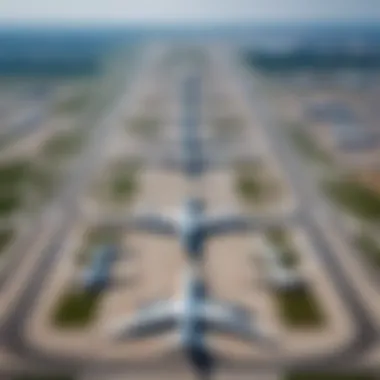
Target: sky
x=185 y=11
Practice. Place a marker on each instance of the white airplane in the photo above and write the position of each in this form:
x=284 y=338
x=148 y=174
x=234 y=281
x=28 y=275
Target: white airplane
x=193 y=313
x=188 y=154
x=97 y=274
x=192 y=225
x=280 y=276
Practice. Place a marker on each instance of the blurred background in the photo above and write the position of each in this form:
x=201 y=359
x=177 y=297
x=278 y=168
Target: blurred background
x=260 y=109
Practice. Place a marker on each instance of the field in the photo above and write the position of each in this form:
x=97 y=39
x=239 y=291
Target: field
x=13 y=178
x=298 y=308
x=119 y=184
x=76 y=309
x=9 y=203
x=25 y=182
x=370 y=179
x=369 y=247
x=62 y=145
x=123 y=186
x=354 y=198
x=254 y=185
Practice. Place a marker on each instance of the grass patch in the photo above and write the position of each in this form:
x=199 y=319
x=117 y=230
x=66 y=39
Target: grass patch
x=76 y=309
x=62 y=145
x=299 y=308
x=9 y=203
x=355 y=198
x=122 y=187
x=289 y=257
x=23 y=183
x=367 y=245
x=5 y=238
x=119 y=185
x=328 y=376
x=250 y=188
x=43 y=181
x=308 y=147
x=279 y=238
x=13 y=175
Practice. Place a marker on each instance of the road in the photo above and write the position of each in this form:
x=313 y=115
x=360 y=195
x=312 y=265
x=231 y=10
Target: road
x=311 y=207
x=66 y=207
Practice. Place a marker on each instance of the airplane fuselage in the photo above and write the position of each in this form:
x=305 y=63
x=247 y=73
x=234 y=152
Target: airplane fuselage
x=192 y=160
x=191 y=326
x=192 y=232
x=97 y=275
x=192 y=163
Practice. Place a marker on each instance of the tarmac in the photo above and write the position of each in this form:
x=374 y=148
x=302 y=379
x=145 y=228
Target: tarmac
x=228 y=273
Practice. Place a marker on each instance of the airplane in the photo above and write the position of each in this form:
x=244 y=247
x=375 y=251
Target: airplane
x=194 y=313
x=97 y=275
x=188 y=155
x=192 y=225
x=279 y=276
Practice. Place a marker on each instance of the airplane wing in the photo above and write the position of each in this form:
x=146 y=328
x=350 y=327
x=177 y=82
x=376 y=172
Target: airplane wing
x=157 y=318
x=226 y=224
x=232 y=320
x=152 y=223
x=235 y=223
x=145 y=222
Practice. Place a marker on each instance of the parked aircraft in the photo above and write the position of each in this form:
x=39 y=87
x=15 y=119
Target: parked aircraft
x=189 y=154
x=193 y=314
x=278 y=275
x=98 y=273
x=192 y=225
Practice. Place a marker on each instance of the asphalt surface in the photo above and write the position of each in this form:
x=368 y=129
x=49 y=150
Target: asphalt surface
x=311 y=204
x=12 y=331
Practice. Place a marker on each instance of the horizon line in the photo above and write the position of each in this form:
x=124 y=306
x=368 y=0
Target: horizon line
x=186 y=24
